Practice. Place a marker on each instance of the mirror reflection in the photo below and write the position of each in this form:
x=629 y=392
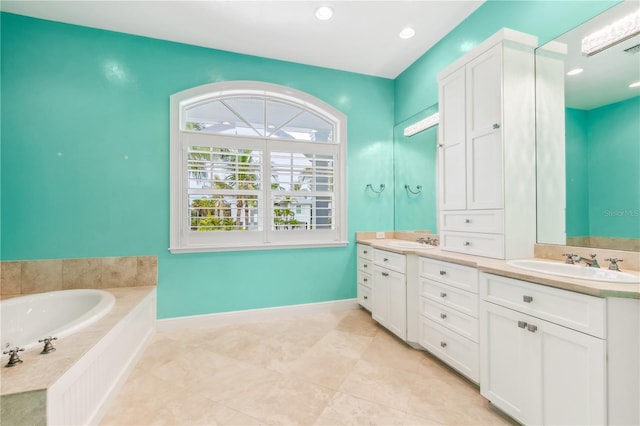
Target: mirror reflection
x=415 y=175
x=588 y=140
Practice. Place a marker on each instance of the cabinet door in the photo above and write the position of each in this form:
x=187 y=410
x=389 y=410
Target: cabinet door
x=389 y=306
x=452 y=139
x=508 y=365
x=484 y=133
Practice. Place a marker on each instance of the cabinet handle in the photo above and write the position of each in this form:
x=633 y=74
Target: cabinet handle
x=364 y=265
x=365 y=279
x=527 y=299
x=467 y=243
x=443 y=316
x=443 y=272
x=365 y=252
x=522 y=324
x=385 y=274
x=443 y=344
x=532 y=328
x=440 y=145
x=496 y=126
x=443 y=294
x=385 y=259
x=467 y=221
x=366 y=297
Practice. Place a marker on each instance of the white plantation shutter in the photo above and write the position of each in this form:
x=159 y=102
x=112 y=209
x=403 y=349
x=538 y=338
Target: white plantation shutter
x=255 y=168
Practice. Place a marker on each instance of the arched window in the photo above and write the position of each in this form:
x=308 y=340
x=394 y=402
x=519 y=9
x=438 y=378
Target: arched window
x=253 y=166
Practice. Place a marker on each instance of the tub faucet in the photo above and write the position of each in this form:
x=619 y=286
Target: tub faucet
x=593 y=262
x=13 y=356
x=48 y=347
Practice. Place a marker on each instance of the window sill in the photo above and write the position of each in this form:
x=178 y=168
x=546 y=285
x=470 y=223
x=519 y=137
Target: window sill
x=225 y=248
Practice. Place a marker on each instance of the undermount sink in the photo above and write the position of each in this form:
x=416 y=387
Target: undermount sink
x=582 y=272
x=409 y=245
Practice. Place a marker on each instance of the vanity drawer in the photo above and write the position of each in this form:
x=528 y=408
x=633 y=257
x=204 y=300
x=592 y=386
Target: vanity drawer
x=389 y=260
x=463 y=324
x=457 y=351
x=364 y=251
x=365 y=265
x=460 y=300
x=574 y=310
x=364 y=297
x=488 y=245
x=486 y=221
x=364 y=279
x=460 y=276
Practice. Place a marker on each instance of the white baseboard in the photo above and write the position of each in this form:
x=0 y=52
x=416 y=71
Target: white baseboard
x=254 y=315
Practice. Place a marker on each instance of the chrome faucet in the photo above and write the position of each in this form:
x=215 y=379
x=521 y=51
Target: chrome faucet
x=570 y=258
x=428 y=241
x=614 y=263
x=593 y=263
x=14 y=359
x=48 y=346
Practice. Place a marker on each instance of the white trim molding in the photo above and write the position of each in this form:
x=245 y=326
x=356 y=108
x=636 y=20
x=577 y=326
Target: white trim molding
x=254 y=315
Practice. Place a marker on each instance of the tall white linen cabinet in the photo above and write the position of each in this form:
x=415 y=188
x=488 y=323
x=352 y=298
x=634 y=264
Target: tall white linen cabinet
x=486 y=163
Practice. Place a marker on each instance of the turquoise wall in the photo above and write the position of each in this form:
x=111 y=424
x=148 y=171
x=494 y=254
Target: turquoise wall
x=603 y=170
x=85 y=149
x=417 y=88
x=77 y=101
x=577 y=176
x=415 y=164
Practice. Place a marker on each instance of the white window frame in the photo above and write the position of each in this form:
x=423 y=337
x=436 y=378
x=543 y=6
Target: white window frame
x=184 y=240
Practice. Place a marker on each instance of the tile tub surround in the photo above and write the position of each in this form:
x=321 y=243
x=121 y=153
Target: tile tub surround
x=39 y=276
x=38 y=372
x=323 y=369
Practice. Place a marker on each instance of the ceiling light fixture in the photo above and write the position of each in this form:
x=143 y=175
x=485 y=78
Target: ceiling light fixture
x=407 y=32
x=324 y=13
x=621 y=30
x=575 y=71
x=635 y=84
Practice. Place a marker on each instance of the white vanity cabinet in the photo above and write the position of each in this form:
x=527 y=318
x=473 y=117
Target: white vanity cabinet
x=389 y=291
x=448 y=310
x=487 y=192
x=543 y=352
x=365 y=269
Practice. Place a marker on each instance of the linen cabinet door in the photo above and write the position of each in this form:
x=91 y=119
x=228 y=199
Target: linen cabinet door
x=509 y=363
x=484 y=131
x=452 y=139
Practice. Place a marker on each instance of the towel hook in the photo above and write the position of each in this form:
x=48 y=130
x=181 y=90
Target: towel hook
x=417 y=191
x=379 y=190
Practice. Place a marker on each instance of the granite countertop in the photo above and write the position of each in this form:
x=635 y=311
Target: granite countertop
x=39 y=372
x=501 y=267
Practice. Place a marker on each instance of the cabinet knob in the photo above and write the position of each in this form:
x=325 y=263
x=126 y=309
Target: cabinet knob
x=443 y=344
x=366 y=297
x=365 y=279
x=467 y=221
x=440 y=145
x=443 y=316
x=522 y=324
x=467 y=243
x=443 y=272
x=443 y=294
x=364 y=265
x=527 y=299
x=496 y=125
x=532 y=328
x=385 y=274
x=385 y=259
x=365 y=252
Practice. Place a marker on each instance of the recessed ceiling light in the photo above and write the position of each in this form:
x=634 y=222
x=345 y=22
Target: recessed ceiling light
x=635 y=84
x=324 y=12
x=575 y=71
x=407 y=32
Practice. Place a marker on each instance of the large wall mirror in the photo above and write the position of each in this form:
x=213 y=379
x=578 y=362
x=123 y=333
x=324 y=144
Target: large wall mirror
x=415 y=175
x=588 y=137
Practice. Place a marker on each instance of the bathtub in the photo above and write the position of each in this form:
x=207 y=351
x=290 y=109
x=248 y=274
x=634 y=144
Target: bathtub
x=27 y=319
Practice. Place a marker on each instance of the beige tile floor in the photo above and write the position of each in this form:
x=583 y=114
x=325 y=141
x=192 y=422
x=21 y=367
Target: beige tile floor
x=328 y=369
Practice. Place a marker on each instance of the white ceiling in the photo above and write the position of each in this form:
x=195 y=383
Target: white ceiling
x=362 y=37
